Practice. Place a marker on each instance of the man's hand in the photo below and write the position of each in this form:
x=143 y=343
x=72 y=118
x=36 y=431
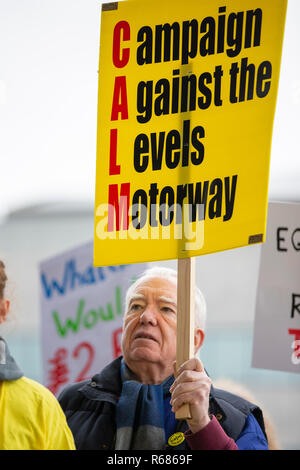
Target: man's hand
x=192 y=386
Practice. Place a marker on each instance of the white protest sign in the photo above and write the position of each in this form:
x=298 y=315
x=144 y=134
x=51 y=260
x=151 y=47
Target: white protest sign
x=81 y=315
x=276 y=343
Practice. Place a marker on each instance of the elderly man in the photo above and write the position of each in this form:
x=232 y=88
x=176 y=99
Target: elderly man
x=131 y=403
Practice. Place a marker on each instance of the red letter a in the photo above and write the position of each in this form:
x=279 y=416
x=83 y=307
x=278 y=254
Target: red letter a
x=119 y=106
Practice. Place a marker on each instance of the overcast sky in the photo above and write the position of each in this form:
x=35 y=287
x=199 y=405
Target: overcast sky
x=48 y=103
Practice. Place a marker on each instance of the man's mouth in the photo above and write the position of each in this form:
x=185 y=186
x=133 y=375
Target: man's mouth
x=145 y=336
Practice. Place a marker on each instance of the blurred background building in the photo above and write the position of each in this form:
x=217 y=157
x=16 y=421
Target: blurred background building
x=228 y=281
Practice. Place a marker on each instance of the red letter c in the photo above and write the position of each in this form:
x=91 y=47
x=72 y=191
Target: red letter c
x=118 y=60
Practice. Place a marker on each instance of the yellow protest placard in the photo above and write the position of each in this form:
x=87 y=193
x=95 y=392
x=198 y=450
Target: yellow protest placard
x=187 y=95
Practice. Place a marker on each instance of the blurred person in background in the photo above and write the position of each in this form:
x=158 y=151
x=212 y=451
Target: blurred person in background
x=131 y=403
x=30 y=416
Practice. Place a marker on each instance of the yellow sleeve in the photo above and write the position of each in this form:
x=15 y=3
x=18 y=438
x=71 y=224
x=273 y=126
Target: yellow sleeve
x=58 y=435
x=31 y=418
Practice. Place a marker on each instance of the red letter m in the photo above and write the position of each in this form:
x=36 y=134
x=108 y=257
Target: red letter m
x=118 y=207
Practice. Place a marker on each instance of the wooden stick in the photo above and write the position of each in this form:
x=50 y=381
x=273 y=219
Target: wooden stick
x=185 y=319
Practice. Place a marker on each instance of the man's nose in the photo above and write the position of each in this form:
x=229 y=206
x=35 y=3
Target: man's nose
x=149 y=315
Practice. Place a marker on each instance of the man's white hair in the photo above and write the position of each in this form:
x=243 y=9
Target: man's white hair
x=170 y=275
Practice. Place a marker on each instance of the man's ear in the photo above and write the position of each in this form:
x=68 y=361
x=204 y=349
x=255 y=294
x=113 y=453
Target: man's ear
x=4 y=309
x=198 y=339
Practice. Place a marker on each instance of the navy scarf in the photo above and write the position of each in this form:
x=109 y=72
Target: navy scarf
x=140 y=413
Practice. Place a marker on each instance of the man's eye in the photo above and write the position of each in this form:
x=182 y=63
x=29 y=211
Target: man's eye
x=136 y=307
x=167 y=310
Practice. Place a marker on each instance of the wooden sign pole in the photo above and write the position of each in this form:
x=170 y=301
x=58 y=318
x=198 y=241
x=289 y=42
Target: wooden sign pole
x=185 y=319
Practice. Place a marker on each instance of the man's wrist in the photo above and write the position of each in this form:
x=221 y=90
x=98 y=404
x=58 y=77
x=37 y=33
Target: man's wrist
x=201 y=425
x=211 y=437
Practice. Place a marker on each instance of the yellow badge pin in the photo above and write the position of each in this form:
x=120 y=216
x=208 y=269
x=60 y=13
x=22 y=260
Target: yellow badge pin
x=176 y=439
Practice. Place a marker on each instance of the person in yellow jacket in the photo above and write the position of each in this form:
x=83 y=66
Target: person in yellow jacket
x=30 y=415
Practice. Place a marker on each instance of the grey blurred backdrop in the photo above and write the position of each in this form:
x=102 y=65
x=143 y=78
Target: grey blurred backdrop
x=48 y=109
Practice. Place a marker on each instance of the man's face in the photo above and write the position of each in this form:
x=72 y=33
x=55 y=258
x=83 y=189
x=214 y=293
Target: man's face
x=149 y=331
